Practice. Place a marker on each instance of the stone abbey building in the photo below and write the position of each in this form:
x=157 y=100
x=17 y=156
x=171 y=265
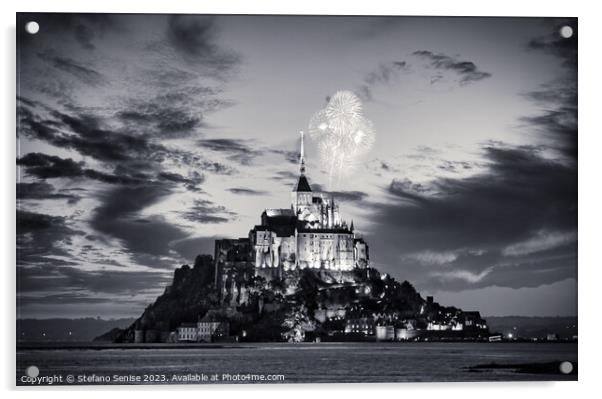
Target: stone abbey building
x=308 y=234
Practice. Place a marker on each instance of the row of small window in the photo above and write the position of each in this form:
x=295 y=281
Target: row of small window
x=320 y=236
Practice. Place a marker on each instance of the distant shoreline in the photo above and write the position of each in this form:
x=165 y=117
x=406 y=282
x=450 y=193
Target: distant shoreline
x=108 y=345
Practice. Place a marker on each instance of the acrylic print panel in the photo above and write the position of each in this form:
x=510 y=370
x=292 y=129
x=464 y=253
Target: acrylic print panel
x=285 y=199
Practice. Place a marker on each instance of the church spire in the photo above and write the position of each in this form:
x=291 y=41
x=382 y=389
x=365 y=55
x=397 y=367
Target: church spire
x=302 y=185
x=302 y=156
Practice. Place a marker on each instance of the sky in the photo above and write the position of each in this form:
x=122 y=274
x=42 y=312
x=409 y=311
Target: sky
x=143 y=138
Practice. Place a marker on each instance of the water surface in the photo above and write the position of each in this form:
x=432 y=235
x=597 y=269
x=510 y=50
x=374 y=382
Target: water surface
x=300 y=363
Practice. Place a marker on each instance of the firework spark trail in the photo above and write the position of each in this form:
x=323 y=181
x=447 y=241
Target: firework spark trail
x=342 y=133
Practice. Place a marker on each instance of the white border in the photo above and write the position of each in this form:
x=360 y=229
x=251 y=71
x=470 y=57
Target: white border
x=589 y=191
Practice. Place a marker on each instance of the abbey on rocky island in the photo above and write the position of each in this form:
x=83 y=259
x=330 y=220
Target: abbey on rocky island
x=302 y=274
x=309 y=234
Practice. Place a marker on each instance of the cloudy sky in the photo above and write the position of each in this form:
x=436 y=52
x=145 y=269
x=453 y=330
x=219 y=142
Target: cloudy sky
x=142 y=138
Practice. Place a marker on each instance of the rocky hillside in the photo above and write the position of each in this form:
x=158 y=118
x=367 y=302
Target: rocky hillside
x=190 y=295
x=300 y=304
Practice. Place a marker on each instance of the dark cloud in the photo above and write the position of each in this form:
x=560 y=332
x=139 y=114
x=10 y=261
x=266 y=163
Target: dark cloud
x=191 y=182
x=29 y=222
x=554 y=44
x=558 y=120
x=167 y=120
x=236 y=150
x=41 y=191
x=408 y=191
x=50 y=278
x=350 y=196
x=50 y=166
x=177 y=111
x=286 y=175
x=146 y=238
x=84 y=134
x=246 y=191
x=225 y=145
x=559 y=125
x=388 y=73
x=26 y=101
x=520 y=196
x=84 y=73
x=467 y=71
x=384 y=74
x=205 y=211
x=104 y=144
x=135 y=159
x=217 y=168
x=39 y=238
x=193 y=35
x=195 y=38
x=204 y=218
x=290 y=156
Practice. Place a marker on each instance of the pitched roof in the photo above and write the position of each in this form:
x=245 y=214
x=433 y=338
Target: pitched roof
x=302 y=185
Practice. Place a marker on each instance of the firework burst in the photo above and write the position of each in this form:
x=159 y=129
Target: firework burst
x=342 y=133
